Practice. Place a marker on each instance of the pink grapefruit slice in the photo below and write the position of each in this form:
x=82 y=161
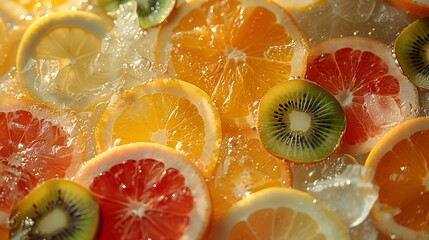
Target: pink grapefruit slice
x=36 y=144
x=147 y=191
x=363 y=76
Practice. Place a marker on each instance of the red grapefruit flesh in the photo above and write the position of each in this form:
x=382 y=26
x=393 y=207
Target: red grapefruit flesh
x=363 y=76
x=34 y=147
x=147 y=191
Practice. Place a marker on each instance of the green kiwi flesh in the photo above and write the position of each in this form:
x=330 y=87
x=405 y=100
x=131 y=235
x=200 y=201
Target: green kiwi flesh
x=56 y=209
x=412 y=52
x=300 y=121
x=150 y=12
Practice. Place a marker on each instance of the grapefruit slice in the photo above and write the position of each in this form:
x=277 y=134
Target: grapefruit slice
x=280 y=213
x=400 y=160
x=147 y=191
x=363 y=76
x=36 y=144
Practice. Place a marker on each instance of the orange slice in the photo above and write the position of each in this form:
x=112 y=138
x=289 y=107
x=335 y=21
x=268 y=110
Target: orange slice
x=418 y=8
x=234 y=50
x=365 y=79
x=147 y=191
x=169 y=112
x=244 y=167
x=400 y=160
x=280 y=213
x=3 y=49
x=36 y=144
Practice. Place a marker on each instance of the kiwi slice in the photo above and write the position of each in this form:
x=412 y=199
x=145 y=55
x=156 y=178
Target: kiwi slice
x=412 y=52
x=150 y=12
x=56 y=209
x=300 y=121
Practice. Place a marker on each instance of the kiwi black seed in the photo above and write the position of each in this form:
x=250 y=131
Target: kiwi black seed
x=56 y=209
x=412 y=52
x=300 y=121
x=150 y=12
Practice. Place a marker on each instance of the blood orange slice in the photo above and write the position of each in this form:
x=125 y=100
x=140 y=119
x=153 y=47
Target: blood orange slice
x=36 y=144
x=148 y=191
x=363 y=76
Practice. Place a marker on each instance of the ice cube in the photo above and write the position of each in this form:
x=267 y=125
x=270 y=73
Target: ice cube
x=130 y=47
x=366 y=18
x=350 y=195
x=383 y=110
x=308 y=173
x=364 y=231
x=353 y=10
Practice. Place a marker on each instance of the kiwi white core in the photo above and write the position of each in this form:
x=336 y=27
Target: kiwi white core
x=53 y=222
x=299 y=121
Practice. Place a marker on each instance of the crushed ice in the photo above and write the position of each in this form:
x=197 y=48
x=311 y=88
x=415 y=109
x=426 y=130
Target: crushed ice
x=350 y=194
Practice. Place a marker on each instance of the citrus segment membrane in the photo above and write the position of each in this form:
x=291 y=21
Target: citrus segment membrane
x=300 y=121
x=363 y=76
x=280 y=213
x=147 y=190
x=400 y=160
x=169 y=112
x=233 y=50
x=59 y=59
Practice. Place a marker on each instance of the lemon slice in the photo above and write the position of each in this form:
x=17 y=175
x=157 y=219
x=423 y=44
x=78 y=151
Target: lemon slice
x=59 y=61
x=298 y=5
x=170 y=112
x=280 y=213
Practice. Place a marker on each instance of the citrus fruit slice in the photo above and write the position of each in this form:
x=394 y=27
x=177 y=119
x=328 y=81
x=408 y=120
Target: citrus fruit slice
x=10 y=45
x=58 y=59
x=169 y=112
x=234 y=50
x=3 y=49
x=298 y=5
x=417 y=8
x=363 y=76
x=280 y=213
x=147 y=191
x=400 y=160
x=244 y=167
x=36 y=144
x=37 y=5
